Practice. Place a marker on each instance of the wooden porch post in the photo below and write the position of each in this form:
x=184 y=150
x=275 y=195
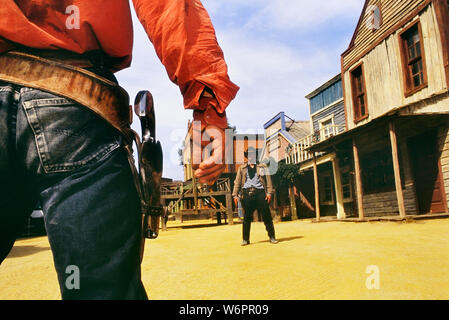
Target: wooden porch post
x=291 y=193
x=317 y=190
x=229 y=210
x=397 y=172
x=195 y=192
x=358 y=180
x=341 y=214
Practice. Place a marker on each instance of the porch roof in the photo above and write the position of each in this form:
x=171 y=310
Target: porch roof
x=349 y=134
x=378 y=122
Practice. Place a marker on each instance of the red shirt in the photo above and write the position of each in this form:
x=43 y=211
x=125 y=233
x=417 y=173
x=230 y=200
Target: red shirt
x=180 y=30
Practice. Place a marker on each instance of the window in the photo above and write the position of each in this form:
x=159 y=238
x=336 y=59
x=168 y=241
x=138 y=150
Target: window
x=413 y=62
x=377 y=171
x=326 y=128
x=346 y=184
x=374 y=21
x=274 y=144
x=326 y=123
x=359 y=94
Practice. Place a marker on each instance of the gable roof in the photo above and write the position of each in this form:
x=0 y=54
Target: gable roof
x=394 y=15
x=351 y=44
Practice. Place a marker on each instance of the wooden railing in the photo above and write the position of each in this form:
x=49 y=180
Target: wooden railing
x=298 y=153
x=180 y=188
x=174 y=194
x=328 y=132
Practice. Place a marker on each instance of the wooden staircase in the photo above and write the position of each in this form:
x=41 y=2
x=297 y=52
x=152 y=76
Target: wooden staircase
x=195 y=199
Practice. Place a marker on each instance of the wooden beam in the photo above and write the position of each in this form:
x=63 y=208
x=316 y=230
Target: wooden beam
x=358 y=180
x=294 y=211
x=341 y=214
x=229 y=211
x=396 y=168
x=317 y=190
x=195 y=192
x=442 y=16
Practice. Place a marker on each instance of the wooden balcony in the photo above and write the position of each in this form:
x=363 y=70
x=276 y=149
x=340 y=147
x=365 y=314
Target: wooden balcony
x=298 y=153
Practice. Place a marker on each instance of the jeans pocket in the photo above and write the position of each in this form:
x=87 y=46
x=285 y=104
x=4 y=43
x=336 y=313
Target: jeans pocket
x=68 y=136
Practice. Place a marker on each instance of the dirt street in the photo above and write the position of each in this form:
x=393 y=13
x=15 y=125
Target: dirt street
x=312 y=261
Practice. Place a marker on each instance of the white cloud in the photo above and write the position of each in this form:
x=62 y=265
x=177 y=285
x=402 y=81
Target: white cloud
x=148 y=73
x=300 y=15
x=285 y=15
x=273 y=77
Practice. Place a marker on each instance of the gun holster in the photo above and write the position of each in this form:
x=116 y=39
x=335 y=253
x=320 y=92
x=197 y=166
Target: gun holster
x=110 y=102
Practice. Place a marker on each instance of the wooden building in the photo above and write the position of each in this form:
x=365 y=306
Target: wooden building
x=280 y=132
x=327 y=119
x=190 y=198
x=240 y=143
x=395 y=77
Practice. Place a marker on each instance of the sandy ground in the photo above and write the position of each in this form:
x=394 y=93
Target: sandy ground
x=312 y=261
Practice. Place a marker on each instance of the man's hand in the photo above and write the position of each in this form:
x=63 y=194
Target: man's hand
x=212 y=155
x=208 y=135
x=268 y=198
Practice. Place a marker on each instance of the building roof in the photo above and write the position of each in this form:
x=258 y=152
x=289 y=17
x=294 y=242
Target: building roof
x=298 y=129
x=279 y=116
x=323 y=87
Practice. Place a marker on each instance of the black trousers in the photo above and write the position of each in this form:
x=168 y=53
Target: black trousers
x=256 y=202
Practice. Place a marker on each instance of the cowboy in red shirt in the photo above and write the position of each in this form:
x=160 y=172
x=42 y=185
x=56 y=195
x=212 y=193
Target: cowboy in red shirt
x=58 y=152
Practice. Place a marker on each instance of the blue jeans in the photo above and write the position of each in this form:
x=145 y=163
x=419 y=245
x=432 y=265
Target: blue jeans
x=60 y=153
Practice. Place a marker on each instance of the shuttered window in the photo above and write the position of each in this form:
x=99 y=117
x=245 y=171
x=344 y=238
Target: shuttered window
x=413 y=63
x=359 y=94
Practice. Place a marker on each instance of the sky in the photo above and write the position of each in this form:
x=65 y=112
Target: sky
x=277 y=51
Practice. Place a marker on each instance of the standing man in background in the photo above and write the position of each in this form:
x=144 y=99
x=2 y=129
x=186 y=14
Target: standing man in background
x=256 y=188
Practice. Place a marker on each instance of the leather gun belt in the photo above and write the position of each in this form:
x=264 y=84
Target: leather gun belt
x=104 y=97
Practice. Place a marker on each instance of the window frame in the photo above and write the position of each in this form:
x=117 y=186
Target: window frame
x=274 y=144
x=346 y=170
x=323 y=176
x=378 y=174
x=323 y=120
x=356 y=95
x=407 y=77
x=323 y=135
x=377 y=6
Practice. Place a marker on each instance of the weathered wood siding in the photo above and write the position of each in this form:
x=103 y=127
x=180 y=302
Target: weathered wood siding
x=278 y=153
x=275 y=127
x=338 y=110
x=383 y=68
x=385 y=203
x=393 y=11
x=443 y=145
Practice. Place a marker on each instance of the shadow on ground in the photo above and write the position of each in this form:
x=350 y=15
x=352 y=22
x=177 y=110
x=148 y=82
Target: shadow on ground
x=283 y=239
x=22 y=251
x=205 y=225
